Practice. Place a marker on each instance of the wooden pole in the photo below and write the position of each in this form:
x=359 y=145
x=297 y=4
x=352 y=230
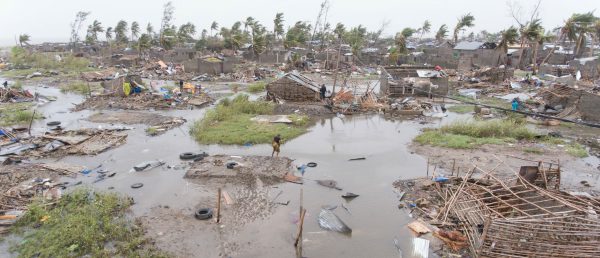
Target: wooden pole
x=89 y=90
x=297 y=243
x=453 y=164
x=31 y=122
x=337 y=67
x=427 y=167
x=219 y=205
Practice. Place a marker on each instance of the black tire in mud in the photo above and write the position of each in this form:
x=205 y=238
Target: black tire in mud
x=189 y=155
x=311 y=164
x=137 y=185
x=53 y=123
x=204 y=214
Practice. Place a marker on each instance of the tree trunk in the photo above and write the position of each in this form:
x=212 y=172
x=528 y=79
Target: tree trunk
x=592 y=46
x=551 y=51
x=521 y=52
x=578 y=45
x=535 y=52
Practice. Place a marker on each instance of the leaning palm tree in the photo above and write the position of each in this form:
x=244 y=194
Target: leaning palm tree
x=539 y=41
x=529 y=33
x=441 y=33
x=465 y=21
x=135 y=30
x=509 y=36
x=214 y=26
x=108 y=34
x=595 y=35
x=248 y=23
x=278 y=25
x=24 y=39
x=426 y=28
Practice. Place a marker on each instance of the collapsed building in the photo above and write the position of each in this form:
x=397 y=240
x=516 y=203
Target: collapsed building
x=294 y=87
x=523 y=218
x=571 y=103
x=478 y=54
x=412 y=80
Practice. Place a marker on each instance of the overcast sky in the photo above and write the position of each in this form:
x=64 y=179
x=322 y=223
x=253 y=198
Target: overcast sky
x=48 y=20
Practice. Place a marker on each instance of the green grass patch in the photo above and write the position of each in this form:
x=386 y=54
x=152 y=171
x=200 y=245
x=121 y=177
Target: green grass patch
x=461 y=109
x=18 y=85
x=533 y=150
x=257 y=87
x=229 y=123
x=151 y=131
x=80 y=87
x=466 y=134
x=577 y=150
x=496 y=128
x=82 y=224
x=16 y=113
x=455 y=141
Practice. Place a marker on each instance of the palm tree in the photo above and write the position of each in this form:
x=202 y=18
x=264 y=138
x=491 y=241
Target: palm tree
x=583 y=25
x=539 y=41
x=567 y=31
x=529 y=32
x=24 y=39
x=214 y=26
x=400 y=41
x=135 y=30
x=278 y=25
x=339 y=30
x=149 y=29
x=465 y=21
x=595 y=35
x=108 y=34
x=441 y=33
x=426 y=28
x=248 y=23
x=509 y=37
x=96 y=27
x=120 y=32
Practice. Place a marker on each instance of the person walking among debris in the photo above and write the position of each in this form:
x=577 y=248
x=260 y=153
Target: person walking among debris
x=276 y=144
x=5 y=84
x=181 y=86
x=323 y=90
x=515 y=104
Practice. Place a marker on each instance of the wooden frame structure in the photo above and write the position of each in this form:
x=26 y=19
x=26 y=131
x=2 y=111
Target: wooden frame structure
x=518 y=218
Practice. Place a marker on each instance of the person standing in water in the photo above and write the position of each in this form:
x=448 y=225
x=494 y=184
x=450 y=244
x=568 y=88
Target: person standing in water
x=276 y=144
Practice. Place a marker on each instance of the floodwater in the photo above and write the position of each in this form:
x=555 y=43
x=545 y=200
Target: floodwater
x=331 y=142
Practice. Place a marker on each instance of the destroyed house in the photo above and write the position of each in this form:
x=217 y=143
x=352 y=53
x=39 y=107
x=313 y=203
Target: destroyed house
x=412 y=80
x=293 y=86
x=476 y=53
x=517 y=218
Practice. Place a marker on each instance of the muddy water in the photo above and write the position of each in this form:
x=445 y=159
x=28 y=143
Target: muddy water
x=373 y=216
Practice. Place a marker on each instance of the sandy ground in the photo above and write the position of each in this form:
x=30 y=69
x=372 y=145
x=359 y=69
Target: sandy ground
x=507 y=159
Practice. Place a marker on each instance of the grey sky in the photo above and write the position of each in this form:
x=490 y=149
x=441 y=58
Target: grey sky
x=48 y=20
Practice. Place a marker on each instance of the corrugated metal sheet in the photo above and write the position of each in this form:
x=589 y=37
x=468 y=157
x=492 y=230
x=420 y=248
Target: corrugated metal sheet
x=428 y=73
x=420 y=247
x=468 y=45
x=303 y=80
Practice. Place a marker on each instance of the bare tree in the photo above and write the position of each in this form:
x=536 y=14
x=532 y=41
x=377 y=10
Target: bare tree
x=168 y=11
x=516 y=12
x=76 y=26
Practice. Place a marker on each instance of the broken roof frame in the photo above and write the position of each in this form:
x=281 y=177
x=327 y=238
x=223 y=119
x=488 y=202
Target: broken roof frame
x=523 y=220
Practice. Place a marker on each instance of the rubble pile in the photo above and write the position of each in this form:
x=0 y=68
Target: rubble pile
x=519 y=217
x=61 y=143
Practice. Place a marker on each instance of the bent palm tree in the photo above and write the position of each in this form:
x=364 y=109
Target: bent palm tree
x=24 y=39
x=465 y=21
x=441 y=33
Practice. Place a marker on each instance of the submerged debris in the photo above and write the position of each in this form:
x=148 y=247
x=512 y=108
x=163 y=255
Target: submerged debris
x=328 y=220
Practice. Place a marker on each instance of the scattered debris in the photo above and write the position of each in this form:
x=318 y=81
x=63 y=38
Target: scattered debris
x=328 y=220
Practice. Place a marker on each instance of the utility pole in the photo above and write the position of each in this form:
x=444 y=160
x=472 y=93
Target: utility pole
x=337 y=67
